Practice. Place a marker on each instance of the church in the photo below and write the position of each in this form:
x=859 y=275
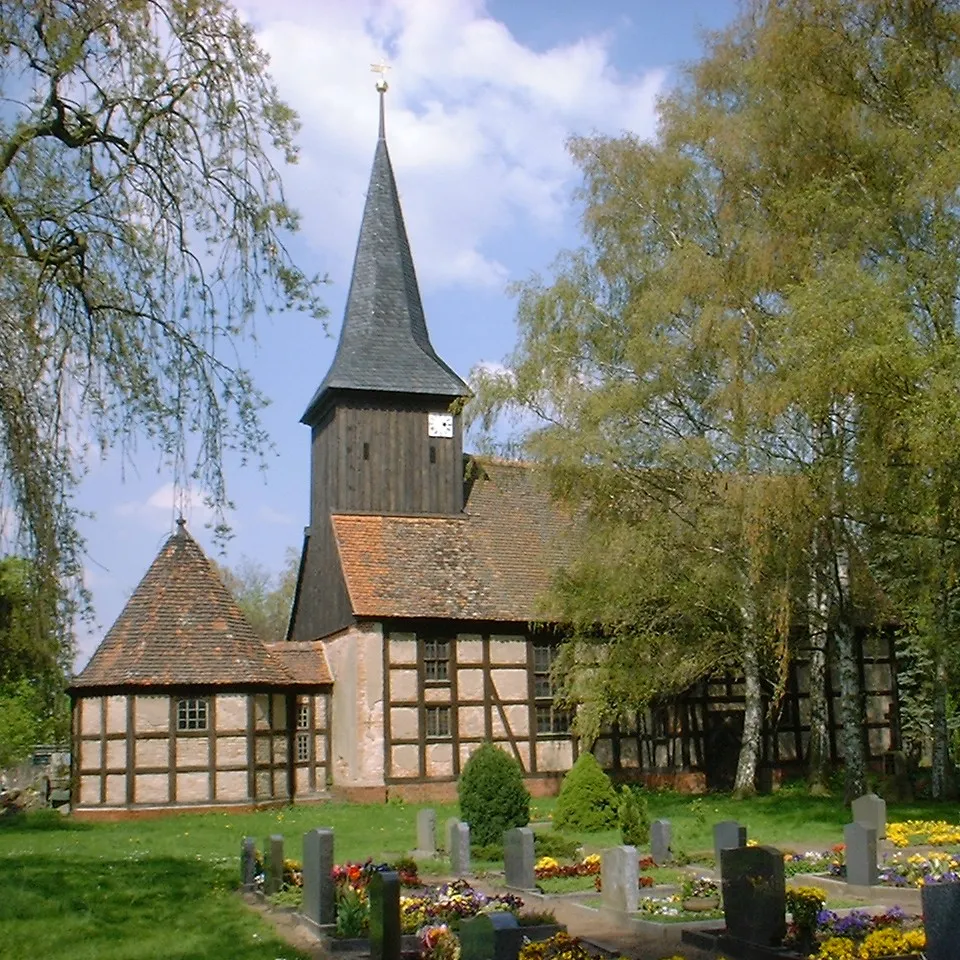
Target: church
x=417 y=631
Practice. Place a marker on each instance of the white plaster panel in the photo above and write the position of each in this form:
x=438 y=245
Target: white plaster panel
x=116 y=714
x=436 y=695
x=469 y=648
x=405 y=760
x=116 y=754
x=232 y=785
x=151 y=714
x=153 y=753
x=280 y=782
x=193 y=787
x=320 y=748
x=554 y=756
x=523 y=748
x=264 y=788
x=231 y=711
x=508 y=650
x=262 y=749
x=403 y=648
x=471 y=721
x=440 y=760
x=261 y=711
x=518 y=716
x=302 y=779
x=231 y=751
x=465 y=750
x=193 y=752
x=280 y=749
x=90 y=755
x=470 y=684
x=279 y=712
x=151 y=788
x=603 y=750
x=116 y=788
x=320 y=709
x=510 y=684
x=404 y=723
x=628 y=753
x=403 y=685
x=89 y=790
x=91 y=716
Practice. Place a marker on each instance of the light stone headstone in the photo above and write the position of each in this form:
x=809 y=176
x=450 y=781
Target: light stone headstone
x=248 y=862
x=273 y=865
x=941 y=920
x=754 y=894
x=448 y=832
x=660 y=841
x=620 y=879
x=427 y=832
x=460 y=850
x=519 y=859
x=726 y=835
x=319 y=890
x=872 y=811
x=860 y=842
x=385 y=931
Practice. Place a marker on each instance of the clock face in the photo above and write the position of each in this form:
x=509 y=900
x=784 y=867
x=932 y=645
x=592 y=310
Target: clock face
x=440 y=424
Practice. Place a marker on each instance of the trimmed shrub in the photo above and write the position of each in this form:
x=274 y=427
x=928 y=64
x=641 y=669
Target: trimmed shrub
x=587 y=800
x=634 y=818
x=492 y=795
x=547 y=843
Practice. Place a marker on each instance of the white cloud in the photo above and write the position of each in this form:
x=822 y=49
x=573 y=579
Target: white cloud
x=476 y=123
x=162 y=508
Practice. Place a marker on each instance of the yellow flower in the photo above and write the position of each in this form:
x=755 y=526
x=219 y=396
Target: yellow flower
x=546 y=863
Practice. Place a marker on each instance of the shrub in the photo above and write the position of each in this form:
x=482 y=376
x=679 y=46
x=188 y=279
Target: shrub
x=587 y=798
x=492 y=795
x=634 y=818
x=546 y=843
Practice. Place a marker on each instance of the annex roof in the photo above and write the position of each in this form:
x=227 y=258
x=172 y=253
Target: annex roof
x=182 y=627
x=495 y=562
x=304 y=660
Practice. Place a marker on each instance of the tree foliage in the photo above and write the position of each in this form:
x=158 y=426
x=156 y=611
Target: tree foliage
x=492 y=795
x=265 y=598
x=142 y=223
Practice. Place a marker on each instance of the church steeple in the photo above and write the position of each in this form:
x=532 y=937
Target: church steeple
x=384 y=345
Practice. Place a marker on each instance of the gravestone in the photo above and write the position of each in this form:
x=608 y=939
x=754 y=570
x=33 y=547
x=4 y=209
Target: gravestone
x=450 y=826
x=273 y=865
x=660 y=841
x=861 y=854
x=519 y=859
x=941 y=920
x=620 y=879
x=460 y=850
x=872 y=811
x=248 y=862
x=427 y=833
x=754 y=894
x=319 y=890
x=727 y=834
x=490 y=936
x=385 y=932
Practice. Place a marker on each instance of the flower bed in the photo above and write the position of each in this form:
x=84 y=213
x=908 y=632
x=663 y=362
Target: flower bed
x=917 y=869
x=914 y=833
x=561 y=946
x=451 y=903
x=862 y=936
x=547 y=868
x=698 y=890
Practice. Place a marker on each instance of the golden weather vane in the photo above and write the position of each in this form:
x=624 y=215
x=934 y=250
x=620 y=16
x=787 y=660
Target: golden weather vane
x=381 y=68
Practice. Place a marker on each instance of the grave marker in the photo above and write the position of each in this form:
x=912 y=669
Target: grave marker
x=427 y=833
x=519 y=859
x=319 y=890
x=273 y=865
x=861 y=854
x=490 y=936
x=248 y=862
x=660 y=841
x=620 y=879
x=872 y=811
x=754 y=894
x=941 y=920
x=450 y=826
x=726 y=835
x=385 y=932
x=460 y=850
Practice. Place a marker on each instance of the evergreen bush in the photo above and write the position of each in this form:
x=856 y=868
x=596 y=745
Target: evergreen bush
x=587 y=800
x=548 y=843
x=492 y=795
x=634 y=818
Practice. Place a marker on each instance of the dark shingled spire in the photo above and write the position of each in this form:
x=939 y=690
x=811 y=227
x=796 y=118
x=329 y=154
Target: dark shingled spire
x=384 y=344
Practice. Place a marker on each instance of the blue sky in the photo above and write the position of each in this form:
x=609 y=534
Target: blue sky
x=482 y=97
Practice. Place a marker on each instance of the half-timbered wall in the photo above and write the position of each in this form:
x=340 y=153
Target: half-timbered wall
x=143 y=750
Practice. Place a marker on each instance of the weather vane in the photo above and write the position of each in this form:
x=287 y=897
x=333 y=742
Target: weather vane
x=381 y=68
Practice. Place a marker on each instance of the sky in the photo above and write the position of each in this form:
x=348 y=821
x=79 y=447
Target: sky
x=482 y=98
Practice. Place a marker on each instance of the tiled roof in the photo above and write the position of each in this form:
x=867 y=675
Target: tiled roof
x=182 y=627
x=304 y=660
x=493 y=563
x=384 y=344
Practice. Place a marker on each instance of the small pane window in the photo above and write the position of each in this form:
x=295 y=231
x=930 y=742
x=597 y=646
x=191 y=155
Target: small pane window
x=436 y=660
x=552 y=719
x=543 y=658
x=303 y=714
x=192 y=714
x=438 y=721
x=303 y=747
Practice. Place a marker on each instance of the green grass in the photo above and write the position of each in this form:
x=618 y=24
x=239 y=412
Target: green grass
x=566 y=884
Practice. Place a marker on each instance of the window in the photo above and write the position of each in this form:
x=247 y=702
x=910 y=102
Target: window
x=436 y=660
x=543 y=658
x=548 y=718
x=551 y=719
x=303 y=714
x=438 y=721
x=192 y=714
x=303 y=746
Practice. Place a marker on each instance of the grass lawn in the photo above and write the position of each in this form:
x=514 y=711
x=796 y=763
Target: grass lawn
x=163 y=889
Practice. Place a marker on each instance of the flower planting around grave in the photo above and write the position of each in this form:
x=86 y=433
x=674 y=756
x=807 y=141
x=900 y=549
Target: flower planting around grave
x=561 y=946
x=917 y=869
x=451 y=903
x=438 y=942
x=547 y=868
x=926 y=833
x=672 y=907
x=863 y=936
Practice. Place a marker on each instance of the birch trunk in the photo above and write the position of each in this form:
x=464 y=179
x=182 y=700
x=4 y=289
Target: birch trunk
x=818 y=746
x=941 y=779
x=851 y=694
x=745 y=783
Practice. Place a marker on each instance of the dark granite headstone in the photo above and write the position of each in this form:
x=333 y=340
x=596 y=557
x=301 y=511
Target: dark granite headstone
x=460 y=849
x=427 y=832
x=861 y=854
x=727 y=834
x=248 y=862
x=273 y=865
x=660 y=841
x=519 y=859
x=754 y=894
x=319 y=890
x=385 y=933
x=490 y=936
x=872 y=811
x=941 y=920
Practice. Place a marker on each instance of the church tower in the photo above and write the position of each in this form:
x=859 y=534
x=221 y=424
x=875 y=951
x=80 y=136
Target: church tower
x=386 y=432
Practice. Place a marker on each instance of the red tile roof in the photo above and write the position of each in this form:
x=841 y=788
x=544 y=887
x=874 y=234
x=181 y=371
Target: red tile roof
x=493 y=563
x=304 y=660
x=183 y=627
